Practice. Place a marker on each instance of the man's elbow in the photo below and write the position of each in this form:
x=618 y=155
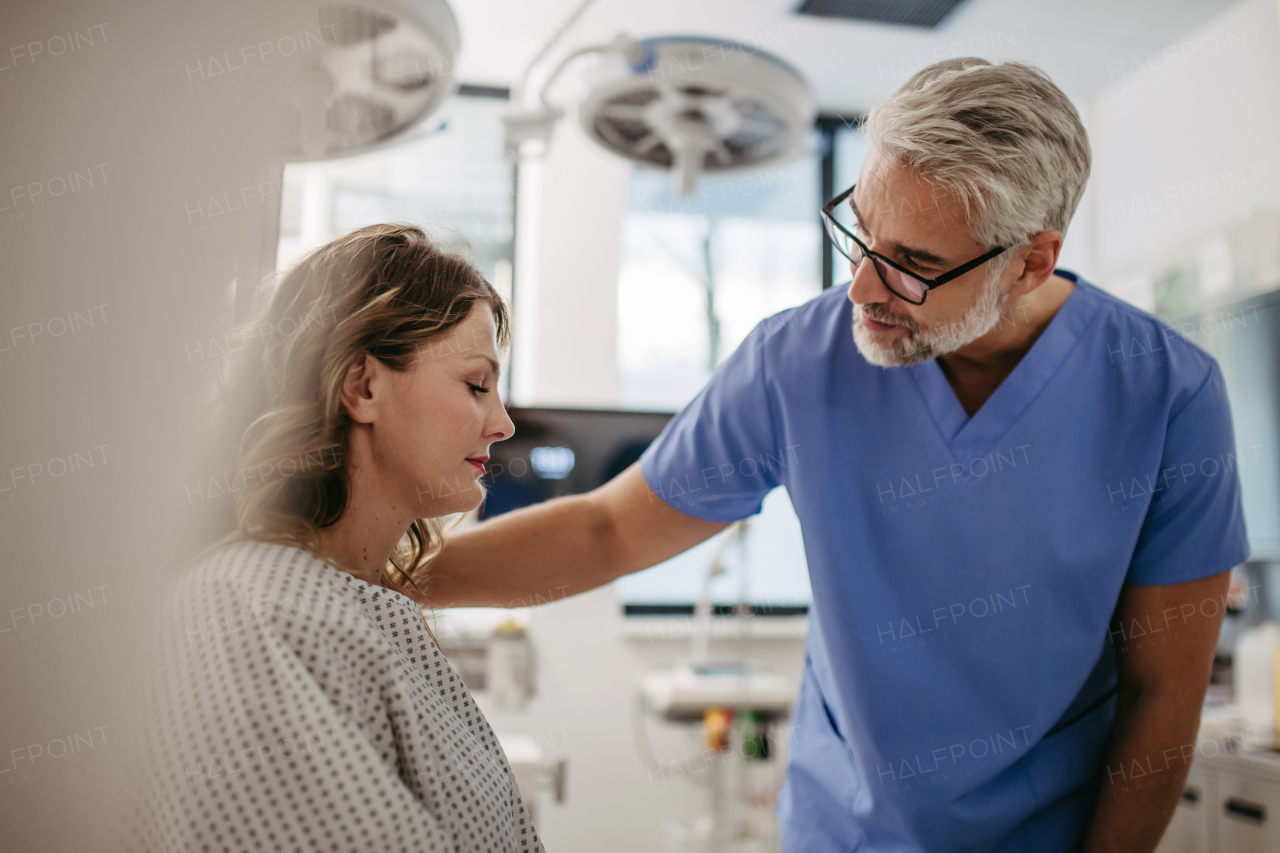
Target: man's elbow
x=1165 y=689
x=603 y=527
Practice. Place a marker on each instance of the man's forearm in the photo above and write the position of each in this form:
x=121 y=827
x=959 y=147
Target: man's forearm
x=560 y=548
x=1151 y=749
x=521 y=558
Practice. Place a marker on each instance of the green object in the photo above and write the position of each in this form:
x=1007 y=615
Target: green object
x=1176 y=292
x=755 y=736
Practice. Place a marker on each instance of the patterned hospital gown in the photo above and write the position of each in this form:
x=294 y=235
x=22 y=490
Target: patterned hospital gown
x=300 y=708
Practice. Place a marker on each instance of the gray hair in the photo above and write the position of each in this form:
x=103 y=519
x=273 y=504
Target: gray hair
x=1003 y=138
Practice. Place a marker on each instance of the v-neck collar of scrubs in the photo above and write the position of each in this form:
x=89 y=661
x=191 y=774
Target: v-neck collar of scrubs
x=1028 y=378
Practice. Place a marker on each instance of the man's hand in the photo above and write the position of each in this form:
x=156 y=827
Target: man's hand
x=562 y=547
x=1164 y=638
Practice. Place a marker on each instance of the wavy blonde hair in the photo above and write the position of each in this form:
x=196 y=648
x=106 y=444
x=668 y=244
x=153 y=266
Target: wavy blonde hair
x=280 y=426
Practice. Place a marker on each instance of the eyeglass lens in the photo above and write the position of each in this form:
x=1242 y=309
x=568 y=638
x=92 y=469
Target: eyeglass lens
x=904 y=285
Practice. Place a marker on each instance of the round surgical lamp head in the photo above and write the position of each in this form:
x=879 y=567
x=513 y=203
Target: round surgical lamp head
x=696 y=106
x=385 y=66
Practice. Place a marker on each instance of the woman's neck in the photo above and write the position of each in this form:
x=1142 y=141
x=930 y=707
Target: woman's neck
x=363 y=540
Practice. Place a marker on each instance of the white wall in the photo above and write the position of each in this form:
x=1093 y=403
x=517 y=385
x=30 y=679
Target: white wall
x=1185 y=140
x=126 y=392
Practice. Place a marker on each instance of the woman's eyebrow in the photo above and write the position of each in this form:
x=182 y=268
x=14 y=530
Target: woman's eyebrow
x=920 y=255
x=493 y=365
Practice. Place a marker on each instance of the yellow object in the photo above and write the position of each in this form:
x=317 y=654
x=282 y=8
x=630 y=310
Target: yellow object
x=715 y=727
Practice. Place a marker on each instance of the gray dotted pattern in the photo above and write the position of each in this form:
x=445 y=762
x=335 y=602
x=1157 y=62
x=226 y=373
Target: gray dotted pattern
x=297 y=707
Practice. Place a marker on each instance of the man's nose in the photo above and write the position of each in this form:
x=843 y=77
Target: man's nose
x=866 y=285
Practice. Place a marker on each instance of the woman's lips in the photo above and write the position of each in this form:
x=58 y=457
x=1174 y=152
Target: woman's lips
x=478 y=461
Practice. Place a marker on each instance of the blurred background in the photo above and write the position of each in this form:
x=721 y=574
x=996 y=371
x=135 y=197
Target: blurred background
x=642 y=182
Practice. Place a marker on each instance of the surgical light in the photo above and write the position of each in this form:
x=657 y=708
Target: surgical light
x=384 y=66
x=685 y=104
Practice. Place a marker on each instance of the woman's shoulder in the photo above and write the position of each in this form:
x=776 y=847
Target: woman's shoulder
x=265 y=570
x=259 y=582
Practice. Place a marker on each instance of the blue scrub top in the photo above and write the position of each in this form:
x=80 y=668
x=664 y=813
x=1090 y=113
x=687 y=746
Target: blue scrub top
x=959 y=679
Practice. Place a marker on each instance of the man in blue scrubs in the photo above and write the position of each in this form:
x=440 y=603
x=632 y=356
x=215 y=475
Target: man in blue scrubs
x=1018 y=536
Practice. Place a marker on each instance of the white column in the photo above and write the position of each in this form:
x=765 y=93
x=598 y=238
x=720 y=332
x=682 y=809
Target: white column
x=570 y=212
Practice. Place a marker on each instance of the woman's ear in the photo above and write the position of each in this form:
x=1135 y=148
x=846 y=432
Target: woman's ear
x=357 y=389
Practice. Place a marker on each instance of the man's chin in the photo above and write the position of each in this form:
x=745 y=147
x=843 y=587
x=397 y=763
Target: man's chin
x=883 y=356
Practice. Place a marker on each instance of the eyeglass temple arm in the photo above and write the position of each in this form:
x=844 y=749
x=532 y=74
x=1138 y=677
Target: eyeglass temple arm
x=964 y=268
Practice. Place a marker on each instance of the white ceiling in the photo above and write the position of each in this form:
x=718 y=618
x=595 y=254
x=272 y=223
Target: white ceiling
x=1082 y=44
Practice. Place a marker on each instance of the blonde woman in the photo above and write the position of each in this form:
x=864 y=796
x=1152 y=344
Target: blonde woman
x=302 y=702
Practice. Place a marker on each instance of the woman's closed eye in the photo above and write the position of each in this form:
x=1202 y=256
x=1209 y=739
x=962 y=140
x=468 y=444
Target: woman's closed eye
x=477 y=388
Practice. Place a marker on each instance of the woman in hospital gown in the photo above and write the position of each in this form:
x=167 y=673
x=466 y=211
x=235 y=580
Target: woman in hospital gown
x=301 y=703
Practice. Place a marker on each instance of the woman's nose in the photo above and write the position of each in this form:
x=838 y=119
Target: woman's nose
x=501 y=426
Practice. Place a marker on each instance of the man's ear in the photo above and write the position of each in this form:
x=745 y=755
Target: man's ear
x=357 y=389
x=1039 y=262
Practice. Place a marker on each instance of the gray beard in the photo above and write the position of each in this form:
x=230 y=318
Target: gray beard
x=923 y=344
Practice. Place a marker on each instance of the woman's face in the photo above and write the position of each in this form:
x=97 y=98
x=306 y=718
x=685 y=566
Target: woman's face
x=434 y=429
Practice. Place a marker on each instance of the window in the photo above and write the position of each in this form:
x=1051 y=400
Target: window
x=697 y=273
x=453 y=182
x=763 y=566
x=847 y=149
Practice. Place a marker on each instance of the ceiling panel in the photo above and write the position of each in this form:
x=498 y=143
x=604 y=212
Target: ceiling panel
x=849 y=64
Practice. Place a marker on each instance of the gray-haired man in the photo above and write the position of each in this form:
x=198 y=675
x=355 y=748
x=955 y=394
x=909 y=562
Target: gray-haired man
x=989 y=507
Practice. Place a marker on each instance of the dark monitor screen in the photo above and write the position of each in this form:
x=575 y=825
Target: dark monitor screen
x=556 y=452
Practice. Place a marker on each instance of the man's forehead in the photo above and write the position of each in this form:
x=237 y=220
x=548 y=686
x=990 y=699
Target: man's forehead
x=890 y=191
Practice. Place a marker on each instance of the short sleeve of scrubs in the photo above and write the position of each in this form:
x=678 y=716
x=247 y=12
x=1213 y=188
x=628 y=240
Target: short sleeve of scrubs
x=719 y=457
x=1194 y=527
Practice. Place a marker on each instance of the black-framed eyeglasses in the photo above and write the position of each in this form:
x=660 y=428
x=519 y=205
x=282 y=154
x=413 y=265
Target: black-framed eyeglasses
x=901 y=282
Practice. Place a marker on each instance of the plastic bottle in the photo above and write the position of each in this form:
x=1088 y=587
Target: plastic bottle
x=1254 y=674
x=508 y=677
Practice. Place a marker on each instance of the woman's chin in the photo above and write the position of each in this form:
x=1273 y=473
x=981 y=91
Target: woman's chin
x=471 y=503
x=469 y=498
x=450 y=495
